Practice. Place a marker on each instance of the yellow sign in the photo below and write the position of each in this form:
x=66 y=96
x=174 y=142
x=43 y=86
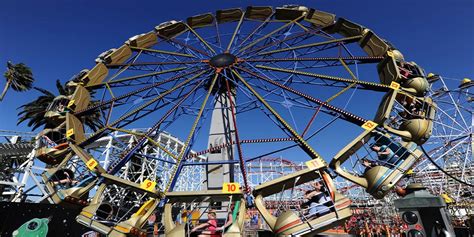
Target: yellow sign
x=148 y=185
x=71 y=102
x=230 y=188
x=390 y=53
x=369 y=125
x=314 y=164
x=69 y=132
x=395 y=85
x=447 y=198
x=91 y=164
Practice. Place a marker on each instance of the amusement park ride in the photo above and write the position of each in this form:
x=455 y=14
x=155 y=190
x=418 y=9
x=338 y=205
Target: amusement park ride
x=270 y=79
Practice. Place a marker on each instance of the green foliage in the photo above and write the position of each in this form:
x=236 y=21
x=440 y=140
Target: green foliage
x=19 y=77
x=34 y=111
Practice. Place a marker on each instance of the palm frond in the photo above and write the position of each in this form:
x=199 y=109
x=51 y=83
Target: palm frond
x=44 y=91
x=61 y=89
x=20 y=76
x=33 y=112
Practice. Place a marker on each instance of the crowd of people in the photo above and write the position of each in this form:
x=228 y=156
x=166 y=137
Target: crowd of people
x=366 y=223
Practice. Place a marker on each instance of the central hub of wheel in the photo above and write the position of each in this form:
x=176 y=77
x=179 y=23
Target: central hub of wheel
x=223 y=60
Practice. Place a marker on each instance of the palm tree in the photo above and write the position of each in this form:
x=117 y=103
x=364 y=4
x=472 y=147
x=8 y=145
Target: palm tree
x=35 y=110
x=18 y=76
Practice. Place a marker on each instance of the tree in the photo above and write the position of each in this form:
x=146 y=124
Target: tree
x=34 y=111
x=19 y=77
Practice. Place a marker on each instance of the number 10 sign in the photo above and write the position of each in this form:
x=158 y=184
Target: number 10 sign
x=230 y=188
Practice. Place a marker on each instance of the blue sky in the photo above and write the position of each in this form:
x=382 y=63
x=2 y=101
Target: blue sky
x=57 y=39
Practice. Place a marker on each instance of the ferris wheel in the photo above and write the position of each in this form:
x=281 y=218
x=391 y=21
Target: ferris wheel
x=451 y=144
x=231 y=85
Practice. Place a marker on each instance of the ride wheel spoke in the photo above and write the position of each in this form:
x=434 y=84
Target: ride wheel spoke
x=178 y=42
x=163 y=52
x=237 y=28
x=364 y=84
x=300 y=36
x=128 y=153
x=126 y=79
x=184 y=150
x=346 y=88
x=237 y=139
x=331 y=98
x=269 y=34
x=255 y=31
x=242 y=141
x=302 y=142
x=126 y=66
x=154 y=63
x=136 y=110
x=349 y=116
x=203 y=41
x=358 y=59
x=218 y=34
x=117 y=99
x=343 y=40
